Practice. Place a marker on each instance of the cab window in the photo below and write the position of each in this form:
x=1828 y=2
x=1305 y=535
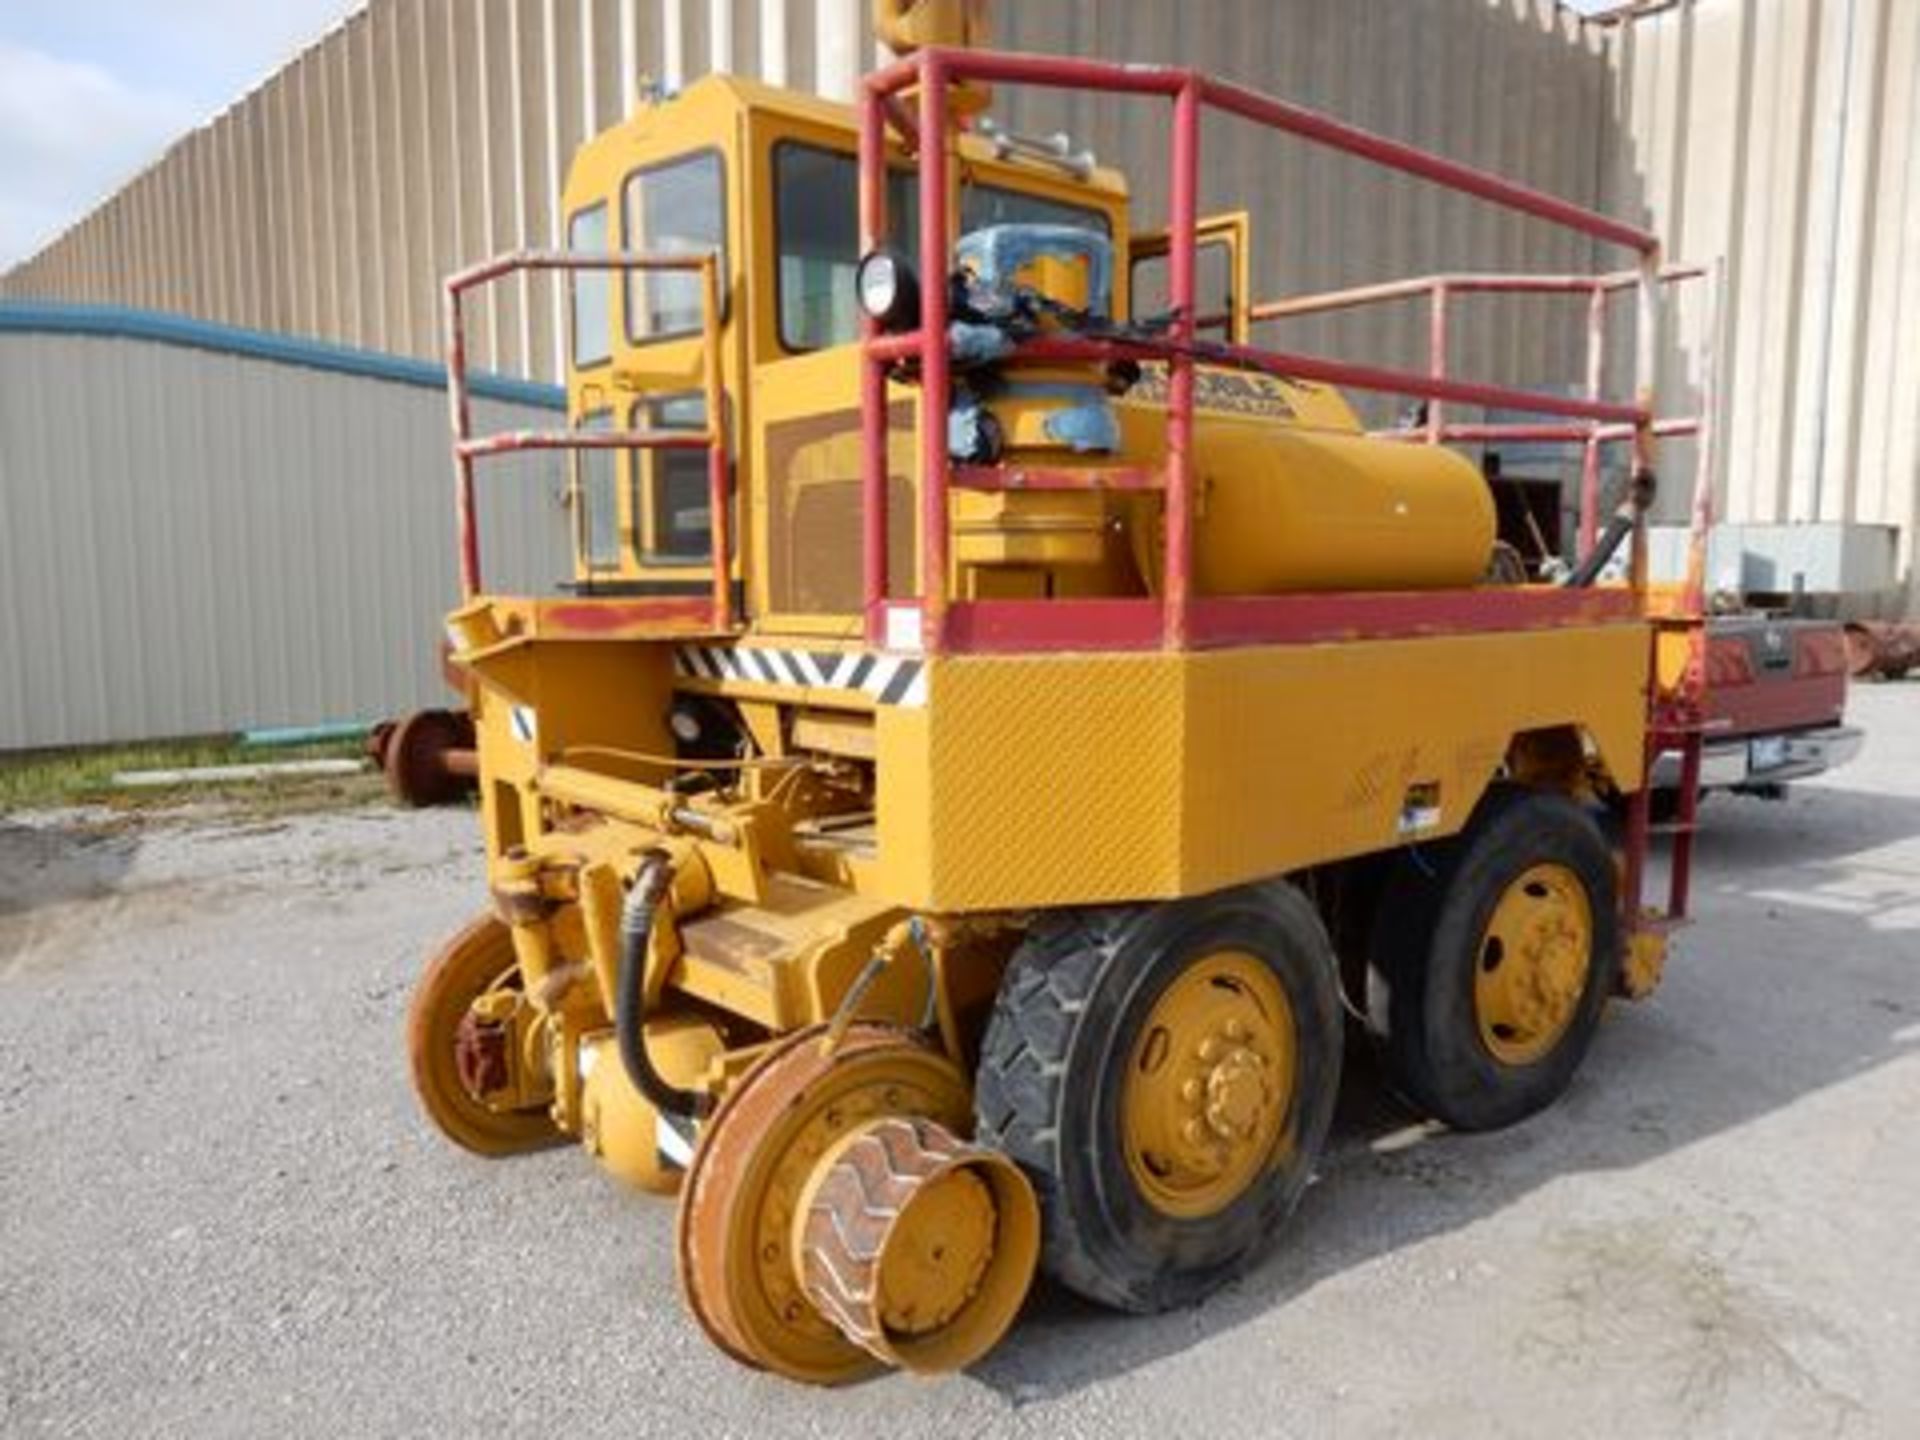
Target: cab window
x=678 y=208
x=817 y=226
x=816 y=207
x=592 y=328
x=1212 y=288
x=671 y=486
x=596 y=499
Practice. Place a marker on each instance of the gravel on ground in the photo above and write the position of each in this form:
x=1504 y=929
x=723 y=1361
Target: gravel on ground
x=221 y=1215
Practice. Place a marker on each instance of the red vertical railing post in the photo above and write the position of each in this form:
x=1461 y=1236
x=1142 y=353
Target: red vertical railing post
x=1633 y=858
x=873 y=376
x=719 y=502
x=1693 y=595
x=1590 y=451
x=935 y=384
x=1437 y=358
x=1646 y=358
x=1680 y=875
x=461 y=414
x=1693 y=589
x=1183 y=215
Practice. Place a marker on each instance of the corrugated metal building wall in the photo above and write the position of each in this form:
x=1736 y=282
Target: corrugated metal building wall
x=1778 y=133
x=235 y=540
x=1784 y=135
x=425 y=133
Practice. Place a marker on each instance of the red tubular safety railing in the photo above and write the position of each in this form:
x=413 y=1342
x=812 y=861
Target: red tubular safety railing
x=929 y=73
x=1440 y=291
x=713 y=438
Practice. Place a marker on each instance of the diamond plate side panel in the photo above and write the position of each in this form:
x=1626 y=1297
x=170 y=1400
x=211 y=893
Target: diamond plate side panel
x=1079 y=779
x=1052 y=780
x=1302 y=754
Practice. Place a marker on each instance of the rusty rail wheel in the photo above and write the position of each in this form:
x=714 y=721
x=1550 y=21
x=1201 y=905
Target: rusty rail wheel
x=462 y=1064
x=833 y=1219
x=428 y=757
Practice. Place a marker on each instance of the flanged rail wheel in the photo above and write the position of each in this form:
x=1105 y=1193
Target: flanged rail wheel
x=456 y=1060
x=1165 y=1076
x=833 y=1219
x=415 y=760
x=1492 y=958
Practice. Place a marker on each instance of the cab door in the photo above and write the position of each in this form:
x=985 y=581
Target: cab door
x=642 y=519
x=805 y=518
x=1222 y=284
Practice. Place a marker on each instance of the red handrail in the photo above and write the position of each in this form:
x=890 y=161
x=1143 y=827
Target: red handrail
x=931 y=72
x=1440 y=290
x=712 y=438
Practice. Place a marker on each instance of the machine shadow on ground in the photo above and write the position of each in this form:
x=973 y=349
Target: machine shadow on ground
x=1662 y=1075
x=54 y=862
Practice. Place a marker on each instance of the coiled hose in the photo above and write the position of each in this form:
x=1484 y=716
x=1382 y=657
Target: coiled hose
x=650 y=886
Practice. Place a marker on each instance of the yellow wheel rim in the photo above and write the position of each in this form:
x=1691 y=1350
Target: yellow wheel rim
x=1210 y=1084
x=476 y=961
x=1533 y=964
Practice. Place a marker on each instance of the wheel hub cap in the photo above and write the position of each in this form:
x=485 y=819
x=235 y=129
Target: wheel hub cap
x=1533 y=965
x=1237 y=1095
x=936 y=1254
x=1209 y=1088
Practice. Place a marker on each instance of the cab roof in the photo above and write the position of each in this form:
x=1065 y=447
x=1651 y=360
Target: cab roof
x=755 y=96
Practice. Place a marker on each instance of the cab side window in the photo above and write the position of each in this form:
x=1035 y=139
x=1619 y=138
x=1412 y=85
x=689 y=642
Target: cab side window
x=589 y=289
x=1212 y=288
x=678 y=208
x=671 y=486
x=596 y=499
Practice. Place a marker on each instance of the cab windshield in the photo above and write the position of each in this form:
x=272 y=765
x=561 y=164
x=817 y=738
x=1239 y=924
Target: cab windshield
x=816 y=225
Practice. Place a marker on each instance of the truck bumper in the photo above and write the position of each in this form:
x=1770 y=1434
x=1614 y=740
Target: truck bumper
x=1764 y=759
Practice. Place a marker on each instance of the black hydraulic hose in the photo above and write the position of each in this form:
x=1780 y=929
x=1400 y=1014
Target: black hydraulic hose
x=1639 y=499
x=1618 y=528
x=629 y=1019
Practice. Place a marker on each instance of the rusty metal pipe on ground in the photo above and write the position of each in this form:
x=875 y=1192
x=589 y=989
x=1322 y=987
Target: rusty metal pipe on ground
x=1887 y=648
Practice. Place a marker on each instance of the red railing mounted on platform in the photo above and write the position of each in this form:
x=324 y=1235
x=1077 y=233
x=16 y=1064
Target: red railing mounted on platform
x=713 y=438
x=1441 y=290
x=930 y=73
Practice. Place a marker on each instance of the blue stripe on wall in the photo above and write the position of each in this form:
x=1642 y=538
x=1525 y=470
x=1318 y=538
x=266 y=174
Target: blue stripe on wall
x=122 y=323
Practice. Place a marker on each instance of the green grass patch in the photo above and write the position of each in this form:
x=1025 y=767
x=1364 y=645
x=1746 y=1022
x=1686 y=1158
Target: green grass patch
x=44 y=779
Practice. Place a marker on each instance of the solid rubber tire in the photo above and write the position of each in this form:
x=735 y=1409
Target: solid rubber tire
x=1053 y=1065
x=1426 y=942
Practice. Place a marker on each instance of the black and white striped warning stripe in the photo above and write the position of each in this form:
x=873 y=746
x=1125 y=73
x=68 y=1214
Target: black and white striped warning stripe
x=888 y=679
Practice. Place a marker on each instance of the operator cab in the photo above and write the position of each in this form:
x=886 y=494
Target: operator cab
x=767 y=179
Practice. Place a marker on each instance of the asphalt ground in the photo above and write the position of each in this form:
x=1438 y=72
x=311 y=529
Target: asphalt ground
x=221 y=1215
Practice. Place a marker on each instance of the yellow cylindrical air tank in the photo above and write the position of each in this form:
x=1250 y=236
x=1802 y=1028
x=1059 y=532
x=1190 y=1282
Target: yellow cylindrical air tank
x=1295 y=510
x=1284 y=508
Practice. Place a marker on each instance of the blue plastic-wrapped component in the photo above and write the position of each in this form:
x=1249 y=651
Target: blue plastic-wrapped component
x=995 y=256
x=997 y=308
